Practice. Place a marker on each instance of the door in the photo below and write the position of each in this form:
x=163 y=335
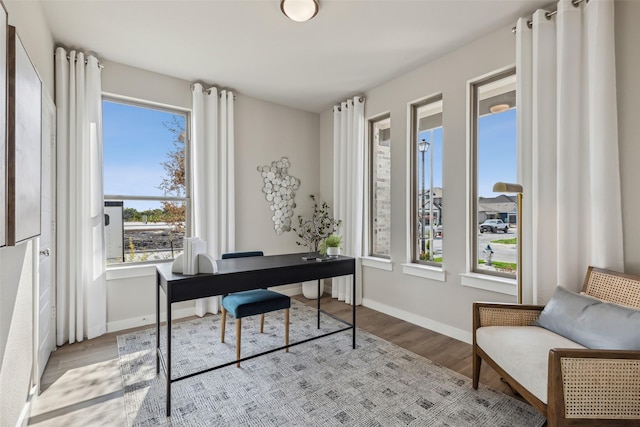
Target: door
x=46 y=277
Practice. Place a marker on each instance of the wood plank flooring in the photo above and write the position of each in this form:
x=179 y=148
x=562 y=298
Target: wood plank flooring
x=81 y=384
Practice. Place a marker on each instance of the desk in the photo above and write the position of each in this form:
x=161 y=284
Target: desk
x=243 y=274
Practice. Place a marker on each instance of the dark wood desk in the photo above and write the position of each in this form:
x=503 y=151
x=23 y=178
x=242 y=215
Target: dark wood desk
x=243 y=274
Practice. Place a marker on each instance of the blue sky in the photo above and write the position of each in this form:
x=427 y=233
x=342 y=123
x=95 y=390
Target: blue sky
x=135 y=144
x=497 y=153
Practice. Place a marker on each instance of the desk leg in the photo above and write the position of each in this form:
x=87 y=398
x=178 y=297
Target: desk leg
x=354 y=309
x=157 y=322
x=168 y=350
x=319 y=303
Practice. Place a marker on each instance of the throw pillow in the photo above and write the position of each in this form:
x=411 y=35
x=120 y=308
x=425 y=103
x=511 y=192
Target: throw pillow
x=591 y=322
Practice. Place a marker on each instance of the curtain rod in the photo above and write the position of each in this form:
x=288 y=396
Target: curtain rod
x=550 y=14
x=85 y=61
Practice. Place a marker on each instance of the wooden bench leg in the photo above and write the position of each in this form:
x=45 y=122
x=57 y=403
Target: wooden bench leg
x=262 y=323
x=224 y=323
x=238 y=336
x=286 y=329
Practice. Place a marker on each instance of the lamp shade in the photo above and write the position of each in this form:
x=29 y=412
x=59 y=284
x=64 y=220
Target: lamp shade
x=299 y=10
x=505 y=187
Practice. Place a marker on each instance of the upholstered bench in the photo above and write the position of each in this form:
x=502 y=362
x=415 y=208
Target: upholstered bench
x=576 y=360
x=251 y=303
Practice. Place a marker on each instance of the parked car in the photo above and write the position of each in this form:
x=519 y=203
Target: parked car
x=494 y=225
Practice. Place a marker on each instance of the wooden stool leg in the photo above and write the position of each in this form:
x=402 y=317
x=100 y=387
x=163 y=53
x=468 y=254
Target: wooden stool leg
x=286 y=329
x=238 y=336
x=262 y=323
x=224 y=323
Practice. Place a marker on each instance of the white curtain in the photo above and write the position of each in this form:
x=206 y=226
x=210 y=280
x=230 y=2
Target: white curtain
x=212 y=180
x=348 y=190
x=568 y=142
x=81 y=286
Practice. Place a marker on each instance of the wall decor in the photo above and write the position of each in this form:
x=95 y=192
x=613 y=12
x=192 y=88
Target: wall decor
x=279 y=190
x=24 y=154
x=3 y=126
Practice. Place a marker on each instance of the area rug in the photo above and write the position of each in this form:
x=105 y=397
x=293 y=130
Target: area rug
x=319 y=383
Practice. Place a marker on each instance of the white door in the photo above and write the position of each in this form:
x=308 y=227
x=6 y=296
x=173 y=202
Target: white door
x=46 y=287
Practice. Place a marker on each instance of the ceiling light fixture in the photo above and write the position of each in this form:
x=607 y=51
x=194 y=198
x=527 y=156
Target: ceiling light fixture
x=299 y=10
x=499 y=108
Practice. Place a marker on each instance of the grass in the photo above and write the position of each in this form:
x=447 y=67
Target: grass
x=511 y=241
x=500 y=265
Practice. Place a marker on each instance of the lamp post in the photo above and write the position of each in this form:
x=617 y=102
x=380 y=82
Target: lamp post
x=504 y=187
x=423 y=146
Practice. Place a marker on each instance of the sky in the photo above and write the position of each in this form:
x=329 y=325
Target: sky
x=497 y=153
x=136 y=142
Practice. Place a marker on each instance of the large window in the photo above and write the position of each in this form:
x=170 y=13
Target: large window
x=144 y=182
x=494 y=148
x=427 y=207
x=380 y=178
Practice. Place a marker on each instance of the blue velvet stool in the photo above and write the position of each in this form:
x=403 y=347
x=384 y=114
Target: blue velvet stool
x=250 y=303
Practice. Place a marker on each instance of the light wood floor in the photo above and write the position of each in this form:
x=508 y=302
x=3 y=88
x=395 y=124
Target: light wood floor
x=81 y=384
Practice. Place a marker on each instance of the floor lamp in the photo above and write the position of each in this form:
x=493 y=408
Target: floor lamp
x=504 y=187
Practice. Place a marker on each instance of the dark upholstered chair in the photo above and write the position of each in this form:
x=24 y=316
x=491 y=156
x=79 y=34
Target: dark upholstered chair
x=250 y=303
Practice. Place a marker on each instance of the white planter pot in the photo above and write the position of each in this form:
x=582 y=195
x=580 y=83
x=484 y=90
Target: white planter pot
x=310 y=289
x=331 y=251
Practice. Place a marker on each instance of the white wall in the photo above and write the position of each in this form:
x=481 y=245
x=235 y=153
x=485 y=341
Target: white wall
x=446 y=306
x=17 y=278
x=264 y=132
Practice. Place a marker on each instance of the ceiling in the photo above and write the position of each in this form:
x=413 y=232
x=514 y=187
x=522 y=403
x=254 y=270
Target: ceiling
x=249 y=46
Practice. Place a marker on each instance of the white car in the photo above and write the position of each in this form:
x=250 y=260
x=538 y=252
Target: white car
x=494 y=225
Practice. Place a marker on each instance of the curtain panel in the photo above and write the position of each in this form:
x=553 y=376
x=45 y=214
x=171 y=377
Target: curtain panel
x=81 y=295
x=348 y=190
x=212 y=178
x=568 y=146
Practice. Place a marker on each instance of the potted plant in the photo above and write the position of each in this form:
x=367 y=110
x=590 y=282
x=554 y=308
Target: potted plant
x=311 y=232
x=331 y=245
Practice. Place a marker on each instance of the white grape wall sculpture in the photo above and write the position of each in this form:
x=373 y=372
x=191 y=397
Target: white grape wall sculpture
x=279 y=190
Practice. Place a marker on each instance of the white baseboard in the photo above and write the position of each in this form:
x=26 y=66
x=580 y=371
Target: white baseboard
x=150 y=319
x=23 y=419
x=441 y=328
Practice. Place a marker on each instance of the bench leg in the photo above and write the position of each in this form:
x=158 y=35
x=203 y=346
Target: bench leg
x=262 y=323
x=224 y=323
x=286 y=329
x=238 y=336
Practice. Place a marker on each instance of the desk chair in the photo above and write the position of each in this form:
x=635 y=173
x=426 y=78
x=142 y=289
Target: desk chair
x=250 y=303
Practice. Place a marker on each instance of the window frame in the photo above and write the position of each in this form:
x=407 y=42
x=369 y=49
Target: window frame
x=188 y=188
x=371 y=123
x=414 y=232
x=473 y=225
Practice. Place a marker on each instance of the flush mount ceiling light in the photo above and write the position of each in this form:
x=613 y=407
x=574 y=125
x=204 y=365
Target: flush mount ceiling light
x=299 y=10
x=499 y=108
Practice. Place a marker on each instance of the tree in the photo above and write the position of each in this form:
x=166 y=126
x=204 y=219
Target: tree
x=173 y=183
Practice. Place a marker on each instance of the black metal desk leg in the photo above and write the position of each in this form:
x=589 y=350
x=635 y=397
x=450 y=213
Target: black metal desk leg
x=354 y=309
x=168 y=293
x=157 y=322
x=319 y=295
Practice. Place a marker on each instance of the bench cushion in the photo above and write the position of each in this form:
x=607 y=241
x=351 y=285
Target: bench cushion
x=258 y=301
x=523 y=352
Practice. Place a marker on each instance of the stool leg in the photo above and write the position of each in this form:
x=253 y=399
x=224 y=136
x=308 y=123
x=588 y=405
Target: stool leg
x=224 y=323
x=262 y=323
x=286 y=329
x=238 y=336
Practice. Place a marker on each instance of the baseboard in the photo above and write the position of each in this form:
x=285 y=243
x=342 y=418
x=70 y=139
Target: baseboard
x=441 y=328
x=147 y=320
x=23 y=419
x=150 y=319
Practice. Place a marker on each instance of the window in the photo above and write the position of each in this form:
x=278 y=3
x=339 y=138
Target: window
x=427 y=208
x=145 y=174
x=380 y=176
x=494 y=228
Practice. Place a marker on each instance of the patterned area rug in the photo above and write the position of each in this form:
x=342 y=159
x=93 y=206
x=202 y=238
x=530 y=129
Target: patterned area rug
x=319 y=383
